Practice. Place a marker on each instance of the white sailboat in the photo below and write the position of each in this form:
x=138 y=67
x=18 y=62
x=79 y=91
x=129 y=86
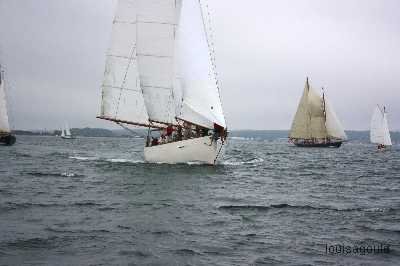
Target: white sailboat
x=160 y=74
x=6 y=138
x=66 y=132
x=380 y=133
x=316 y=123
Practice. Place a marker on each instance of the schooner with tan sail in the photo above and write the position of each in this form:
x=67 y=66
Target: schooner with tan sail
x=316 y=123
x=160 y=74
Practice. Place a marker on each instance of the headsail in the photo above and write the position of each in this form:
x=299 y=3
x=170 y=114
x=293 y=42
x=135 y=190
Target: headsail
x=301 y=125
x=334 y=127
x=4 y=123
x=196 y=70
x=380 y=133
x=122 y=97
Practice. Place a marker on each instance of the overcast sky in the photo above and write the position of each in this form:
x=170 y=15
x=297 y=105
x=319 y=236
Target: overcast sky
x=54 y=54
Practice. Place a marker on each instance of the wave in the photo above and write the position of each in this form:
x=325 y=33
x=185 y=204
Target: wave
x=254 y=161
x=8 y=206
x=32 y=243
x=80 y=231
x=186 y=252
x=110 y=160
x=301 y=207
x=46 y=174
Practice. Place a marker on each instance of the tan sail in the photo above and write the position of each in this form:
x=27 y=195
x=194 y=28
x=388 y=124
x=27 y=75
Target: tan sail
x=301 y=123
x=317 y=116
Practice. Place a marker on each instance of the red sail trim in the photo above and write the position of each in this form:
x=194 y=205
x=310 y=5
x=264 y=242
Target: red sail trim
x=129 y=122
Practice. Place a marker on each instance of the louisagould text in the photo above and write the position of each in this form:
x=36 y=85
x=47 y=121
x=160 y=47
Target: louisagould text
x=357 y=250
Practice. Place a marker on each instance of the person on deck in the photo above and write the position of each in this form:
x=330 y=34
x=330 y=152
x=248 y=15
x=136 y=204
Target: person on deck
x=169 y=132
x=154 y=142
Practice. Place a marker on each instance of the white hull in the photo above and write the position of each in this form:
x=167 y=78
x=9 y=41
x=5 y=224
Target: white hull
x=199 y=150
x=67 y=137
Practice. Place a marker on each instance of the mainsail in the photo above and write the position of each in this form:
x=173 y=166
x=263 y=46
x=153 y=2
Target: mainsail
x=4 y=124
x=380 y=133
x=201 y=103
x=159 y=66
x=315 y=118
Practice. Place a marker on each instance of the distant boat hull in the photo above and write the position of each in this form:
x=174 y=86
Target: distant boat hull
x=198 y=150
x=316 y=144
x=8 y=140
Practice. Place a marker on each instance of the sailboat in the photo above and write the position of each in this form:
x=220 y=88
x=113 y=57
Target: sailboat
x=6 y=138
x=316 y=123
x=160 y=74
x=66 y=132
x=380 y=133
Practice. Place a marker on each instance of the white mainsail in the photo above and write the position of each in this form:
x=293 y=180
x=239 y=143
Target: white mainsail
x=156 y=23
x=4 y=123
x=62 y=132
x=380 y=133
x=315 y=118
x=139 y=77
x=122 y=97
x=196 y=71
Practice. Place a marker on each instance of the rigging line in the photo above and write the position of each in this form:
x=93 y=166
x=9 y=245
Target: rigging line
x=132 y=56
x=220 y=149
x=130 y=130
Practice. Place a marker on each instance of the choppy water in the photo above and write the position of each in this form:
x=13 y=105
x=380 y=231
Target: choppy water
x=92 y=201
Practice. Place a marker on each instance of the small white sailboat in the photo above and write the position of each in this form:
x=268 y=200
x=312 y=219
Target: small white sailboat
x=380 y=133
x=66 y=132
x=6 y=138
x=316 y=123
x=160 y=74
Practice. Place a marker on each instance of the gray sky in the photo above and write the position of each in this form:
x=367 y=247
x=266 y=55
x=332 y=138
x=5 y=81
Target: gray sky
x=54 y=54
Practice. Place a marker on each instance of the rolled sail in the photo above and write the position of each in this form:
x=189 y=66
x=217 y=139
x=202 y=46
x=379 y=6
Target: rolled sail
x=156 y=24
x=122 y=97
x=201 y=103
x=4 y=123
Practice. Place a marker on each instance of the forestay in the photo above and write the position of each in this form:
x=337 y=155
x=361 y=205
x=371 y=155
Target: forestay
x=196 y=72
x=4 y=124
x=122 y=97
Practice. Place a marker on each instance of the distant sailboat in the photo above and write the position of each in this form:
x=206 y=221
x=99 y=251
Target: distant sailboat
x=380 y=133
x=160 y=74
x=315 y=123
x=6 y=138
x=66 y=132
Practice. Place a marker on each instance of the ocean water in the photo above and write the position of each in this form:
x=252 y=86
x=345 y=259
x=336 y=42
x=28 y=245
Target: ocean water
x=93 y=201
